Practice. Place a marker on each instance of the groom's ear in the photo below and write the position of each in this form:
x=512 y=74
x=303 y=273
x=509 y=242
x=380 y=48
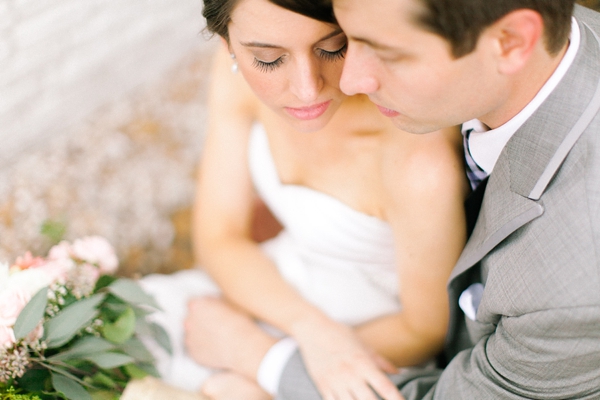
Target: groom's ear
x=515 y=37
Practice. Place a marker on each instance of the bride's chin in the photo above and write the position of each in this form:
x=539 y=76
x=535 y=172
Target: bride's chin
x=309 y=126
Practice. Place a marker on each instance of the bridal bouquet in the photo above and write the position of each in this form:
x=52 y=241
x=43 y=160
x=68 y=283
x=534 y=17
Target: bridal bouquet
x=71 y=330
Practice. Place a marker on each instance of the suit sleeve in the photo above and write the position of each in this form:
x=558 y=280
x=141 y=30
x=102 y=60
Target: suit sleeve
x=551 y=354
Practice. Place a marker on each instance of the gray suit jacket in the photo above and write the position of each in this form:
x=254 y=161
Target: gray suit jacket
x=536 y=250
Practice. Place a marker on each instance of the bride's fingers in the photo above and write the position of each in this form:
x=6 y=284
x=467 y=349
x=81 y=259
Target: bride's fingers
x=385 y=365
x=384 y=387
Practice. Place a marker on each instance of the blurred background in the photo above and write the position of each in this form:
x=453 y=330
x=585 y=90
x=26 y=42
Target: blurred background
x=102 y=118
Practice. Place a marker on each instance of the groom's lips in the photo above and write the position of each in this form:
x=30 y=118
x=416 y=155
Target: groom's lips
x=388 y=112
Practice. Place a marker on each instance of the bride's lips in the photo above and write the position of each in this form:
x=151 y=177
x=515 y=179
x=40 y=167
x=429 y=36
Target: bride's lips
x=388 y=112
x=307 y=113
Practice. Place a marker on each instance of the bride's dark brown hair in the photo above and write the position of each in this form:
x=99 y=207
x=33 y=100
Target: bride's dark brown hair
x=218 y=12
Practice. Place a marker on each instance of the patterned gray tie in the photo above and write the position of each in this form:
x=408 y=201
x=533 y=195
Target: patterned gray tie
x=474 y=171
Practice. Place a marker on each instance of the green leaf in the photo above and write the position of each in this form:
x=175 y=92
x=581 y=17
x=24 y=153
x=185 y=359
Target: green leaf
x=63 y=327
x=104 y=395
x=161 y=337
x=104 y=281
x=85 y=346
x=109 y=360
x=54 y=230
x=134 y=371
x=149 y=368
x=136 y=349
x=145 y=328
x=31 y=314
x=100 y=379
x=69 y=387
x=122 y=329
x=34 y=380
x=132 y=292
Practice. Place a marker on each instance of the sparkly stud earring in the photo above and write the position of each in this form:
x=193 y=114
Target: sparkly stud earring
x=234 y=66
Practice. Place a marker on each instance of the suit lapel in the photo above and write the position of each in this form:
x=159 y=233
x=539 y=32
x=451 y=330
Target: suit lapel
x=498 y=218
x=534 y=154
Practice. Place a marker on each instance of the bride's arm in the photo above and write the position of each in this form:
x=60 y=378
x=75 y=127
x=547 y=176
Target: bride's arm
x=426 y=191
x=224 y=205
x=224 y=247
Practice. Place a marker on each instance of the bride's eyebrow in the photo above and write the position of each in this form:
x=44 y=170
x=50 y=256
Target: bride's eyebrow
x=273 y=46
x=332 y=34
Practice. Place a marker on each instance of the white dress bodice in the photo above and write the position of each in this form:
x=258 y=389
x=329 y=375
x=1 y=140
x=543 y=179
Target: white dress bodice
x=340 y=259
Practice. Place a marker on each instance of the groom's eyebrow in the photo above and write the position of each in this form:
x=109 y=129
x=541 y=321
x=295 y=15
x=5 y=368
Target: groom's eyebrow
x=273 y=46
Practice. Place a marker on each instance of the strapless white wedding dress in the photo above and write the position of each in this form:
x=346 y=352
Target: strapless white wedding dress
x=339 y=259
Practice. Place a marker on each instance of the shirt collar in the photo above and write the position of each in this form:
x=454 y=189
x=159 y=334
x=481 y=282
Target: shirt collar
x=486 y=145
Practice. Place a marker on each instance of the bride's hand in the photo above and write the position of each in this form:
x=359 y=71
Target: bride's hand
x=341 y=367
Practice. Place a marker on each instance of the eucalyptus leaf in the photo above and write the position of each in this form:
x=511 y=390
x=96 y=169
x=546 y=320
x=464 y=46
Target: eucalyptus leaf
x=161 y=337
x=136 y=349
x=69 y=387
x=142 y=327
x=31 y=314
x=149 y=368
x=109 y=360
x=85 y=346
x=135 y=372
x=64 y=325
x=104 y=395
x=132 y=292
x=122 y=329
x=103 y=380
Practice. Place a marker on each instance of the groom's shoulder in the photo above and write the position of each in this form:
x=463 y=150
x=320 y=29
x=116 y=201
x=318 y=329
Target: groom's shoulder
x=588 y=16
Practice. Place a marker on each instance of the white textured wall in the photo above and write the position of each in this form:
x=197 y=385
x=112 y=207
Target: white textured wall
x=62 y=59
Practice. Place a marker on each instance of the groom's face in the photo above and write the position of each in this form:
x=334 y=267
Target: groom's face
x=409 y=72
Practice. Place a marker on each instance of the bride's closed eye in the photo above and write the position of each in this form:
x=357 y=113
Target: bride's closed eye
x=268 y=66
x=265 y=66
x=334 y=55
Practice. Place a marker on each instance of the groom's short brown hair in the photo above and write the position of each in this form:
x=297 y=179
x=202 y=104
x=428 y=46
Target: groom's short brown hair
x=461 y=22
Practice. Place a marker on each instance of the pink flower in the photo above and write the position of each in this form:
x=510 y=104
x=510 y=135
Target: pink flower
x=7 y=337
x=96 y=250
x=61 y=251
x=28 y=261
x=11 y=304
x=58 y=271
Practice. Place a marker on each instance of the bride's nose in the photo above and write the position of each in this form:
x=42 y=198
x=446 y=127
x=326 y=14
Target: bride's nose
x=306 y=81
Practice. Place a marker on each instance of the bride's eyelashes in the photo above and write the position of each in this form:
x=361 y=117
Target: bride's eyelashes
x=264 y=66
x=269 y=66
x=334 y=55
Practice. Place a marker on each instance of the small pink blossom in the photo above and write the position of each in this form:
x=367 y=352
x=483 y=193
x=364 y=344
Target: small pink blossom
x=96 y=250
x=84 y=279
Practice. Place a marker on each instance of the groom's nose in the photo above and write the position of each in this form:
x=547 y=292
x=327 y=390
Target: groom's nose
x=358 y=75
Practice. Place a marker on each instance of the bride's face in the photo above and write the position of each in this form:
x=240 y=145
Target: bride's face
x=292 y=63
